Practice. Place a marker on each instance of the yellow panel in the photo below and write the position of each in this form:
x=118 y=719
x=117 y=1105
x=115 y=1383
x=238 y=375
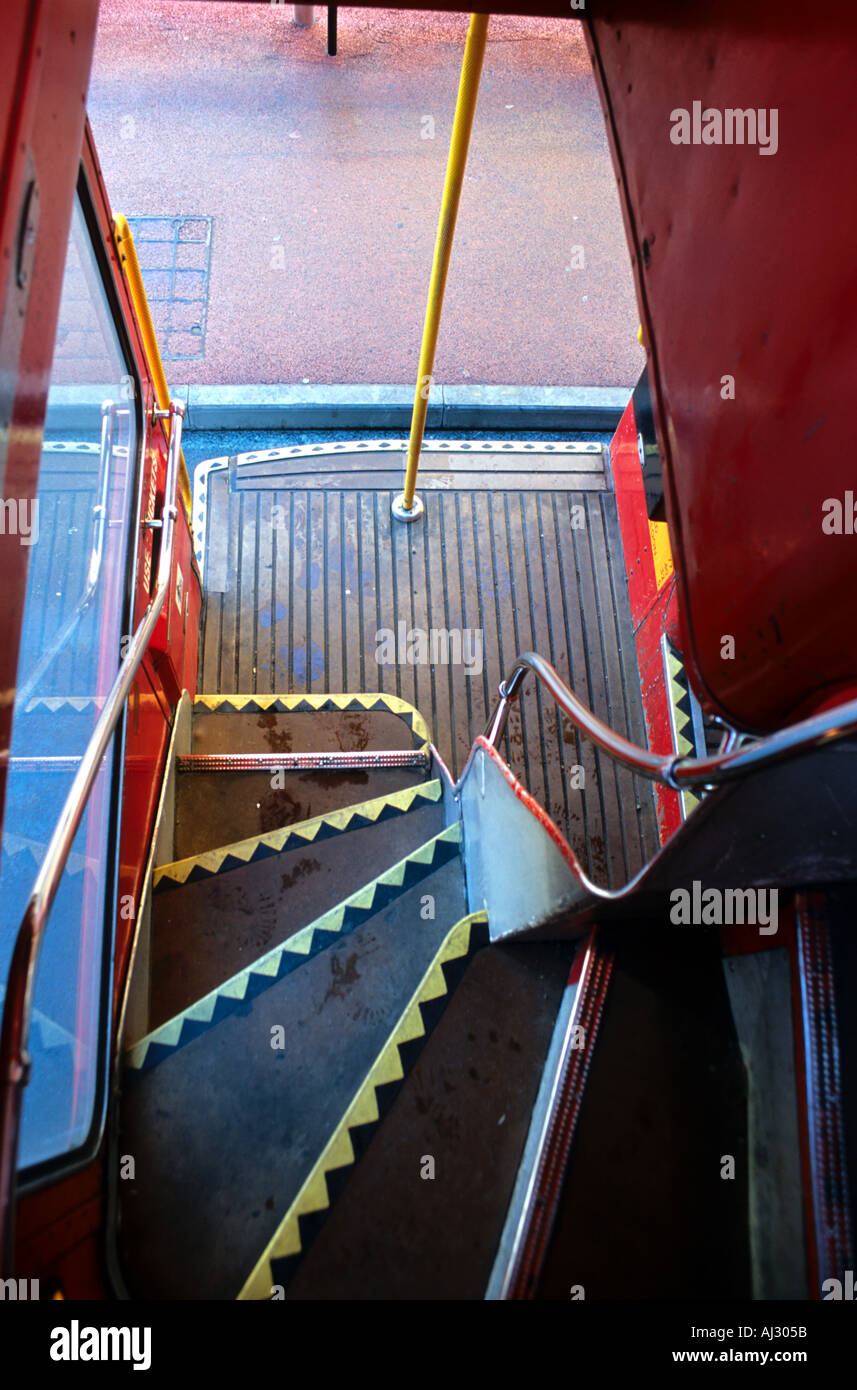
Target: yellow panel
x=661 y=552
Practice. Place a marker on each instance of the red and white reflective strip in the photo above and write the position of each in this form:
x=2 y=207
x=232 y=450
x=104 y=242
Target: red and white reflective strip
x=302 y=762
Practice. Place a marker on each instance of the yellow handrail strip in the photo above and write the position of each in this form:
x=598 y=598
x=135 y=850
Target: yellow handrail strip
x=131 y=266
x=465 y=109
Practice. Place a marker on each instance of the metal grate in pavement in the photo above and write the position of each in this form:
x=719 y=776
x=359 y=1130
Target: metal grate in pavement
x=175 y=260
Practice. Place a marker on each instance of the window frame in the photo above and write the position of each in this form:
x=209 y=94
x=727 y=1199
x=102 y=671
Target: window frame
x=70 y=1161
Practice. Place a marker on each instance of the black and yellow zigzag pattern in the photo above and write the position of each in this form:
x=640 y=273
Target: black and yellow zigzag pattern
x=294 y=951
x=372 y=1101
x=679 y=696
x=316 y=704
x=257 y=847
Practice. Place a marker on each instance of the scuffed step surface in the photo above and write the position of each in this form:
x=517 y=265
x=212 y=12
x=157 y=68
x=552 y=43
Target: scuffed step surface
x=235 y=993
x=367 y=1108
x=466 y=1105
x=215 y=808
x=224 y=858
x=204 y=932
x=224 y=1131
x=276 y=731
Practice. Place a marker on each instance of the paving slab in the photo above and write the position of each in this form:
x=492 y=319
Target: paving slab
x=319 y=181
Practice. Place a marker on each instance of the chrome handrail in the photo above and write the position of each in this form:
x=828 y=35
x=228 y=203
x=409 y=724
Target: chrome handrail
x=672 y=769
x=20 y=983
x=99 y=525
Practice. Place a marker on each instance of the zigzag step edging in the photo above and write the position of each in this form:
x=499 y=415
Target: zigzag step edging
x=302 y=946
x=345 y=703
x=374 y=1098
x=255 y=848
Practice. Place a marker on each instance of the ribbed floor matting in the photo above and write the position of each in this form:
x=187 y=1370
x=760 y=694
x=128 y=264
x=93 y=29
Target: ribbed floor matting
x=304 y=583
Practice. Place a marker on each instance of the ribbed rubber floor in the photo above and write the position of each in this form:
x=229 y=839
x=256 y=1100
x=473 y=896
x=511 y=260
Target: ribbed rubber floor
x=297 y=596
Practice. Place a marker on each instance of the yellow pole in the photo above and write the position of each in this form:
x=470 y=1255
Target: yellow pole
x=406 y=506
x=131 y=267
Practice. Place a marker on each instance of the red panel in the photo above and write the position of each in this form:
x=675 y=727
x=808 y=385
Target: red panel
x=745 y=268
x=649 y=604
x=58 y=1236
x=146 y=739
x=633 y=517
x=656 y=709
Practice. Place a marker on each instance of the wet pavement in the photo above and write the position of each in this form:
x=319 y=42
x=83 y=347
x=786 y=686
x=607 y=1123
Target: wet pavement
x=322 y=179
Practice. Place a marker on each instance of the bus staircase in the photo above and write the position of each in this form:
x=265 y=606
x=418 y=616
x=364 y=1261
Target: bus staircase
x=330 y=1085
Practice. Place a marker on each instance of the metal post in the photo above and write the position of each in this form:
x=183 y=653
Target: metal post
x=331 y=31
x=304 y=16
x=406 y=506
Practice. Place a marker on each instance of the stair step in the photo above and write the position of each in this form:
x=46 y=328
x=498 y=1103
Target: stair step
x=275 y=842
x=235 y=993
x=214 y=927
x=227 y=1129
x=370 y=1102
x=295 y=723
x=211 y=812
x=466 y=1104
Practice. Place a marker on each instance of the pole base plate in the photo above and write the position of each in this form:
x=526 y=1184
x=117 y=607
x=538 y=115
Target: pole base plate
x=403 y=513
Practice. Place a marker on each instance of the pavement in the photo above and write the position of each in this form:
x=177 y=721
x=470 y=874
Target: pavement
x=322 y=180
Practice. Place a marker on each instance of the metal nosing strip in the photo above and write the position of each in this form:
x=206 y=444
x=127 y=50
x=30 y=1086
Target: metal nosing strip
x=303 y=762
x=829 y=1176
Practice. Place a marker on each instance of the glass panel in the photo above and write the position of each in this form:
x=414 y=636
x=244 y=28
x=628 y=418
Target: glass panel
x=70 y=652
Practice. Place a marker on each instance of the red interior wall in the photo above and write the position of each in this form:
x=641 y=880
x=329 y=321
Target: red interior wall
x=745 y=267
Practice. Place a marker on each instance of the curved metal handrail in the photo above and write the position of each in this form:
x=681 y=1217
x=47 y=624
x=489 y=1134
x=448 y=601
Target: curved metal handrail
x=20 y=983
x=99 y=525
x=673 y=770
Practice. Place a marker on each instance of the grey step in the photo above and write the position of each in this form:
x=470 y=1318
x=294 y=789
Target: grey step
x=208 y=930
x=273 y=733
x=225 y=1130
x=213 y=808
x=392 y=1232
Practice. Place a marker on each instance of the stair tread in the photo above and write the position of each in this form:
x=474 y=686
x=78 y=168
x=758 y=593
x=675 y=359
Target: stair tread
x=236 y=992
x=466 y=1103
x=208 y=930
x=227 y=1128
x=207 y=813
x=254 y=847
x=291 y=723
